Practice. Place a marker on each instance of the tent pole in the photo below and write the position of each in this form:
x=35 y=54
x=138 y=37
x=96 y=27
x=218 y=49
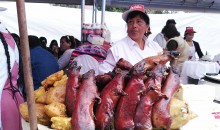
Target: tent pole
x=25 y=52
x=94 y=12
x=82 y=16
x=103 y=12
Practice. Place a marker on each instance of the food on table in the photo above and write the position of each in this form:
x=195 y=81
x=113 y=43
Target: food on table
x=110 y=96
x=61 y=123
x=42 y=117
x=131 y=97
x=127 y=104
x=72 y=86
x=180 y=113
x=83 y=116
x=55 y=109
x=161 y=117
x=39 y=92
x=42 y=98
x=56 y=94
x=50 y=80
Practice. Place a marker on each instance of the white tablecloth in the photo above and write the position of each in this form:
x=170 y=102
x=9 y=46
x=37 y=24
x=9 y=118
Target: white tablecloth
x=200 y=101
x=198 y=69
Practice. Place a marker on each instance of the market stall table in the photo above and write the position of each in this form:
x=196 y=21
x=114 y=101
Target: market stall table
x=198 y=69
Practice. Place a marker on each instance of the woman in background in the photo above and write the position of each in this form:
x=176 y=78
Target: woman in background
x=54 y=48
x=193 y=45
x=67 y=45
x=176 y=43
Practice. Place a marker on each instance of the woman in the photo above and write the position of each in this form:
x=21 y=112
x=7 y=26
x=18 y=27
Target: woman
x=11 y=97
x=193 y=45
x=67 y=45
x=54 y=48
x=135 y=46
x=176 y=42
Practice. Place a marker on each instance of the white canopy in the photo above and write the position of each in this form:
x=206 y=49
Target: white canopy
x=53 y=22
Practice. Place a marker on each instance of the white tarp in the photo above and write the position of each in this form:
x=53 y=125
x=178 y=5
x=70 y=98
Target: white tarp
x=53 y=22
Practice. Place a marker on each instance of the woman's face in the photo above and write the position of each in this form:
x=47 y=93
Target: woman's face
x=54 y=48
x=189 y=36
x=136 y=28
x=64 y=45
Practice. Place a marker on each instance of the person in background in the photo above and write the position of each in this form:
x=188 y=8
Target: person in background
x=43 y=42
x=177 y=43
x=43 y=63
x=159 y=38
x=11 y=97
x=54 y=48
x=67 y=45
x=193 y=45
x=135 y=46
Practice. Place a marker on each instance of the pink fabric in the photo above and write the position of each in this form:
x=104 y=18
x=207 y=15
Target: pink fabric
x=9 y=40
x=10 y=115
x=11 y=118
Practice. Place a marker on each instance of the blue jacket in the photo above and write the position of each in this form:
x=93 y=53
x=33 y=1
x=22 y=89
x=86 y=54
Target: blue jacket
x=43 y=64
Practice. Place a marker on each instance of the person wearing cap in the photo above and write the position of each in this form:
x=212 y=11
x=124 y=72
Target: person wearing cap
x=135 y=46
x=177 y=43
x=193 y=45
x=10 y=95
x=159 y=38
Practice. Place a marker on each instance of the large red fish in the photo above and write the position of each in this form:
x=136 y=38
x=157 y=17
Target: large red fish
x=109 y=96
x=83 y=116
x=161 y=117
x=127 y=104
x=72 y=87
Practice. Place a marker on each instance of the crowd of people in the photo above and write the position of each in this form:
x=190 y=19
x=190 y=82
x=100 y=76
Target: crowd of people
x=48 y=60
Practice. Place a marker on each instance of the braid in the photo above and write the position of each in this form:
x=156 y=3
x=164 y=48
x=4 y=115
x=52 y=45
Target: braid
x=20 y=80
x=8 y=64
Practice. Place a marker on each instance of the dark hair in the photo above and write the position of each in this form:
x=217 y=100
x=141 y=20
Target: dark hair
x=13 y=88
x=53 y=42
x=33 y=41
x=43 y=42
x=170 y=21
x=16 y=38
x=138 y=13
x=170 y=31
x=172 y=45
x=74 y=41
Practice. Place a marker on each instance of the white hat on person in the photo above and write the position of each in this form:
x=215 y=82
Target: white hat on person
x=134 y=7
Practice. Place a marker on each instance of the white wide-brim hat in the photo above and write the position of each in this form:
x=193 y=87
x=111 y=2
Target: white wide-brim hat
x=134 y=7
